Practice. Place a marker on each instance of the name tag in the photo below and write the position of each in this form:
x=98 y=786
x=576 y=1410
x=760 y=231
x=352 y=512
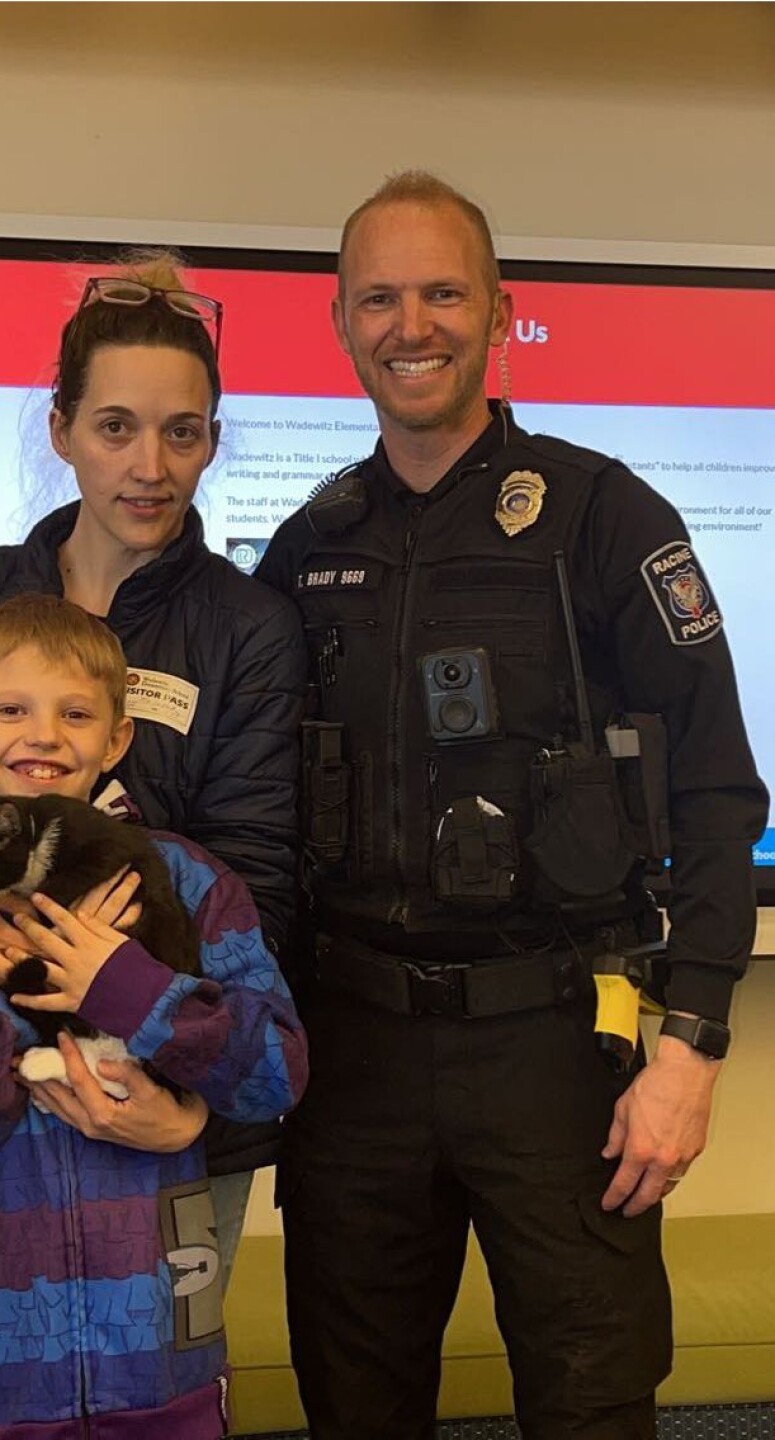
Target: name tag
x=336 y=575
x=152 y=695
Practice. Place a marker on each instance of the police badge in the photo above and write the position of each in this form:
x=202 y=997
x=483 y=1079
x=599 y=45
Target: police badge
x=519 y=501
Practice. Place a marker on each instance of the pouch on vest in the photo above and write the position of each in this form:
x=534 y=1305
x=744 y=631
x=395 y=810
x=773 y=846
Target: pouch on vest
x=578 y=840
x=326 y=791
x=638 y=744
x=475 y=857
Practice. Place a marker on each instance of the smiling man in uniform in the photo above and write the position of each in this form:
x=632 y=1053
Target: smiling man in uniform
x=466 y=870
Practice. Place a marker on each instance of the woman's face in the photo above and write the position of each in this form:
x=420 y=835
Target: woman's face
x=138 y=442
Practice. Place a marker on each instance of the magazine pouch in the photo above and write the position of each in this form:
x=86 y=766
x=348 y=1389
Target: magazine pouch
x=475 y=858
x=326 y=792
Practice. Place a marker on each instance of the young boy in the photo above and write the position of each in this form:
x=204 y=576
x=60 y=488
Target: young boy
x=110 y=1315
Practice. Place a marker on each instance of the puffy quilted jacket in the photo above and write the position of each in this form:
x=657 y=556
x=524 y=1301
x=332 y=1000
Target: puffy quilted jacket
x=229 y=782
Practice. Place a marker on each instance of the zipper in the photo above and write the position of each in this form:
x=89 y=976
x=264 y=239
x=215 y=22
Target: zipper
x=76 y=1244
x=471 y=621
x=432 y=772
x=359 y=623
x=395 y=749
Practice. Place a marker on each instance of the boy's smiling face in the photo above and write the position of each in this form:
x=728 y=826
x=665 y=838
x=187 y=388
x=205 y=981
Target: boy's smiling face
x=58 y=731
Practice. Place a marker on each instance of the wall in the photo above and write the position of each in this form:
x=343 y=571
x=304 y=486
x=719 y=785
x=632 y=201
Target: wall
x=628 y=122
x=591 y=120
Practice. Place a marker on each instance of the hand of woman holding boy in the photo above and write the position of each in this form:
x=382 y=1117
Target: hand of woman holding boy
x=149 y=1119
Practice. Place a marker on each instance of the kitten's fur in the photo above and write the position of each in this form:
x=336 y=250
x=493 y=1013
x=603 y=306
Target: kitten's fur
x=63 y=848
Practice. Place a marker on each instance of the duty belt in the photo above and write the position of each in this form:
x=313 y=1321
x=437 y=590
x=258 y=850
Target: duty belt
x=469 y=990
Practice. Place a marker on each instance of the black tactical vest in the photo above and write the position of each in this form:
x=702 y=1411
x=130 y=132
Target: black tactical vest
x=420 y=792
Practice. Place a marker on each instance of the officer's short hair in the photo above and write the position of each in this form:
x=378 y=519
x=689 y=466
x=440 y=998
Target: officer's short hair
x=422 y=188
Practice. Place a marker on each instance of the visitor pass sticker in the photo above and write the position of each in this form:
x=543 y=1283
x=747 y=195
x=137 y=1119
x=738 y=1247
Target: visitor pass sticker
x=152 y=695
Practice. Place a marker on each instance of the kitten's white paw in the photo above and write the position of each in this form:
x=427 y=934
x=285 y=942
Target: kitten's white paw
x=45 y=1062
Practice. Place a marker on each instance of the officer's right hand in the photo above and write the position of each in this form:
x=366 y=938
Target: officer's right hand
x=660 y=1126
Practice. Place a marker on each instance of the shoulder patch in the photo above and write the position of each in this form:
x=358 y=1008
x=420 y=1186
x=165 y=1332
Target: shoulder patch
x=681 y=593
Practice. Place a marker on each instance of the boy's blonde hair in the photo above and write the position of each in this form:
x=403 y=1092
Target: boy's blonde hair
x=64 y=632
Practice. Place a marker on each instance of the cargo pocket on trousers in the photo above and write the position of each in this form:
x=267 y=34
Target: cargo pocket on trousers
x=625 y=1309
x=615 y=1231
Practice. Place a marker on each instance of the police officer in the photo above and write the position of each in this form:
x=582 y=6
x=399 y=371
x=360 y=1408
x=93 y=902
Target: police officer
x=468 y=857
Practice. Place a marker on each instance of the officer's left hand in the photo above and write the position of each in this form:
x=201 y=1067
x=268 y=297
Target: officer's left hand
x=660 y=1126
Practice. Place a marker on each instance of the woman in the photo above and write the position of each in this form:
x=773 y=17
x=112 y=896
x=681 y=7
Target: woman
x=217 y=665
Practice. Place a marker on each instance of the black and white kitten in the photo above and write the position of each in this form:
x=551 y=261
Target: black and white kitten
x=63 y=848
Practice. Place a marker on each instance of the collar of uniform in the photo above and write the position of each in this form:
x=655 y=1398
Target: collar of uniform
x=486 y=447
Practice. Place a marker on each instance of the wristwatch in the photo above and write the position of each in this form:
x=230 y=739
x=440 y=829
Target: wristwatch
x=710 y=1037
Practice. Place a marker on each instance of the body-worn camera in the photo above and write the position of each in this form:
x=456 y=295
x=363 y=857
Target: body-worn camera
x=460 y=698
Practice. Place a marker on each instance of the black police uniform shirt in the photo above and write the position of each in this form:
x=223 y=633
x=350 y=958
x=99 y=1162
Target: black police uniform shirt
x=418 y=574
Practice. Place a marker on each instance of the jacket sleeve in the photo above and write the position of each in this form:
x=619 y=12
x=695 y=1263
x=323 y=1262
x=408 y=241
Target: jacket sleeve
x=245 y=812
x=675 y=661
x=232 y=1035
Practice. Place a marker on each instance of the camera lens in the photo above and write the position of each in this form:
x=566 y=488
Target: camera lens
x=452 y=673
x=457 y=715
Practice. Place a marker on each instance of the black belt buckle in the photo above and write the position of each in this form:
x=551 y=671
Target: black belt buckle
x=436 y=989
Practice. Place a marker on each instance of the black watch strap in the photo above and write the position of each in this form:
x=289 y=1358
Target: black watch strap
x=710 y=1037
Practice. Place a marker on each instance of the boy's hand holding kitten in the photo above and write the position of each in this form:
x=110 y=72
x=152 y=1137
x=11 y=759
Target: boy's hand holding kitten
x=109 y=906
x=74 y=951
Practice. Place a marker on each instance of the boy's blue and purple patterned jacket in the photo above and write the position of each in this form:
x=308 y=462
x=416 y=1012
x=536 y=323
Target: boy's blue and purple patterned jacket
x=110 y=1313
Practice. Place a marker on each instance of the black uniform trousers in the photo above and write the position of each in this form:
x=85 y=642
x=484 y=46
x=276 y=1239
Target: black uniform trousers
x=414 y=1127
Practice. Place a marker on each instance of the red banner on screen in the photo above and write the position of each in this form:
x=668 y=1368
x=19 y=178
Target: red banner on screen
x=572 y=343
